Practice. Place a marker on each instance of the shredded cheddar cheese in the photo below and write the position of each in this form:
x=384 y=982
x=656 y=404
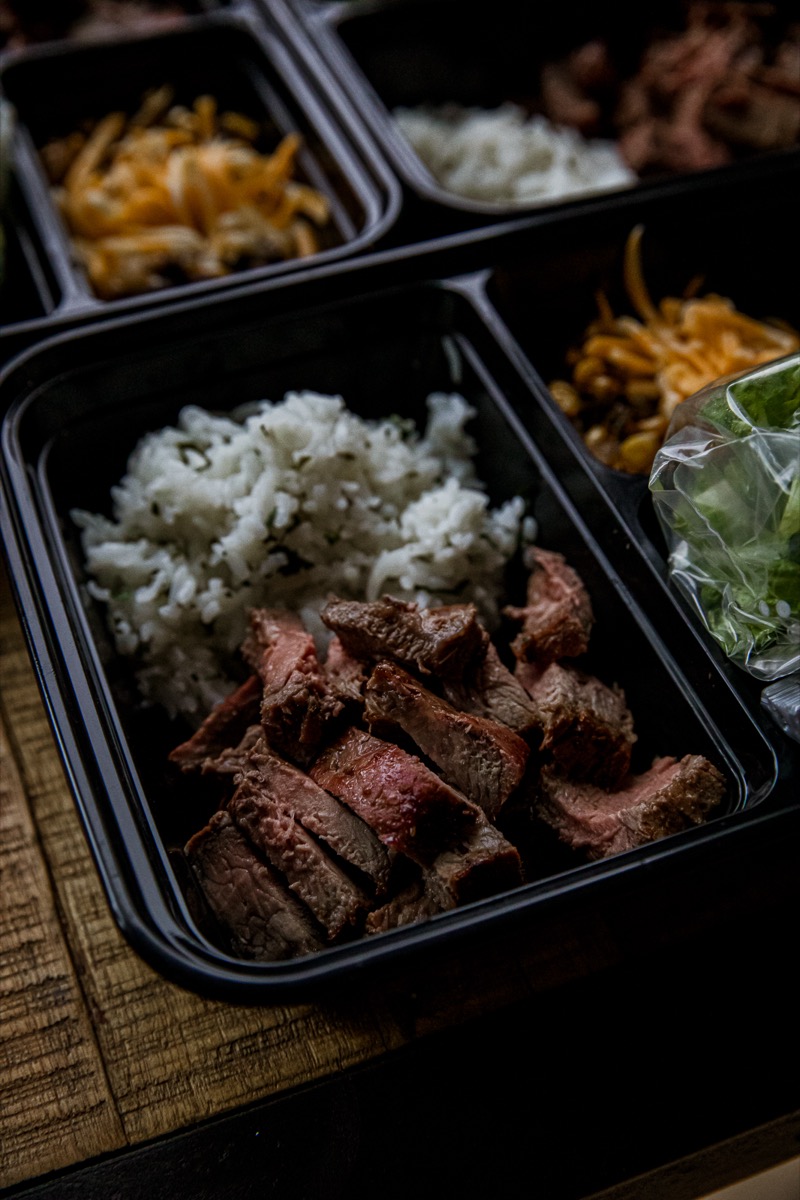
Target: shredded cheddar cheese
x=174 y=193
x=631 y=372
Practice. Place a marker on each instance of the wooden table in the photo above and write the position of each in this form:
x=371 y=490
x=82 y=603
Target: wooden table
x=553 y=1060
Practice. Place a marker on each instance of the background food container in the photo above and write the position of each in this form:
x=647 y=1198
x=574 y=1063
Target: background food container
x=79 y=20
x=240 y=58
x=541 y=290
x=390 y=53
x=74 y=409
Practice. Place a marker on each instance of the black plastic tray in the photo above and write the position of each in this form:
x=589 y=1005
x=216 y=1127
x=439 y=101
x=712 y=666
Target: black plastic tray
x=75 y=407
x=387 y=53
x=736 y=242
x=238 y=55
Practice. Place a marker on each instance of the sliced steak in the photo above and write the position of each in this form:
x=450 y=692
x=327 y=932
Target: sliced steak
x=483 y=865
x=295 y=704
x=438 y=641
x=230 y=762
x=557 y=618
x=670 y=796
x=346 y=675
x=413 y=903
x=337 y=902
x=223 y=727
x=488 y=689
x=410 y=808
x=198 y=906
x=262 y=918
x=483 y=759
x=276 y=785
x=586 y=726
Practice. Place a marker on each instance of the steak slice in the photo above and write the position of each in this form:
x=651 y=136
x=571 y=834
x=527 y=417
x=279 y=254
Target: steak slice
x=439 y=641
x=586 y=726
x=483 y=865
x=346 y=675
x=672 y=795
x=230 y=762
x=277 y=785
x=415 y=902
x=223 y=727
x=410 y=808
x=557 y=617
x=483 y=759
x=261 y=917
x=488 y=689
x=295 y=703
x=337 y=902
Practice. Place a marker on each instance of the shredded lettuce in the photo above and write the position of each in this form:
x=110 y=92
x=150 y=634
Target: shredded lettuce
x=767 y=399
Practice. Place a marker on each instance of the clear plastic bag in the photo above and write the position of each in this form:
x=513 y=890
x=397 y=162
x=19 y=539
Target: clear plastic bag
x=726 y=490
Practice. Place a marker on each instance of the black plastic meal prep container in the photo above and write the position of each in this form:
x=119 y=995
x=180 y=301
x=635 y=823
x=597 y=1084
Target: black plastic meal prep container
x=239 y=56
x=74 y=409
x=704 y=238
x=390 y=53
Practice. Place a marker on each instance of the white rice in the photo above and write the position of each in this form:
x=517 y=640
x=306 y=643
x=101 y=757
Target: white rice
x=283 y=504
x=501 y=156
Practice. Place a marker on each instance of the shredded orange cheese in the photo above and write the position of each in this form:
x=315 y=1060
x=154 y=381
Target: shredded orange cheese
x=631 y=372
x=174 y=194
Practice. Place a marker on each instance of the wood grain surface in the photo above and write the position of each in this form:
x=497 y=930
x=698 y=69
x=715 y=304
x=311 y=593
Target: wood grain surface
x=55 y=1100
